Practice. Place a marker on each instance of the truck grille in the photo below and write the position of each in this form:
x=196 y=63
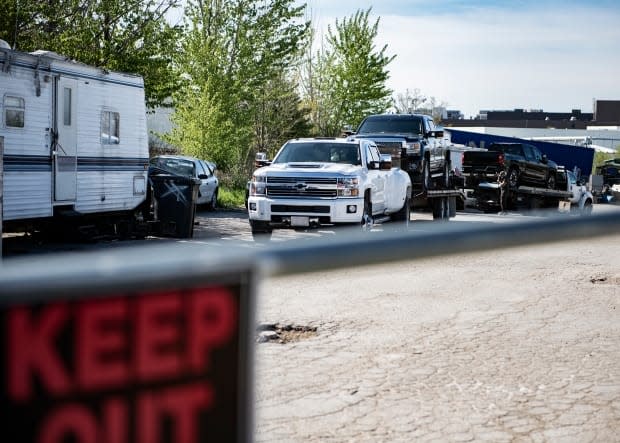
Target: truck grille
x=295 y=208
x=392 y=148
x=302 y=187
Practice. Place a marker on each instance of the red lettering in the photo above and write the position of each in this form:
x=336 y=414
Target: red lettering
x=31 y=351
x=181 y=404
x=101 y=359
x=73 y=420
x=157 y=338
x=211 y=321
x=115 y=421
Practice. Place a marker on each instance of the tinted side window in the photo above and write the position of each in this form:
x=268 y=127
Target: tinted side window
x=199 y=168
x=208 y=172
x=527 y=151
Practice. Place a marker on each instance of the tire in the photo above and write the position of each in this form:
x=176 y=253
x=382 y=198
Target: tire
x=404 y=214
x=452 y=207
x=260 y=230
x=441 y=209
x=212 y=205
x=513 y=178
x=446 y=174
x=587 y=208
x=427 y=179
x=550 y=181
x=366 y=221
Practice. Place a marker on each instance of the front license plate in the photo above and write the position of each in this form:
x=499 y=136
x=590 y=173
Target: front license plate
x=300 y=221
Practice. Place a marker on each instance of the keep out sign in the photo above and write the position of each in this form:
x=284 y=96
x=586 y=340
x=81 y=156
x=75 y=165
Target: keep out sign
x=144 y=367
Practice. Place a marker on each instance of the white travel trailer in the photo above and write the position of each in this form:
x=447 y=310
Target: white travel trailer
x=75 y=140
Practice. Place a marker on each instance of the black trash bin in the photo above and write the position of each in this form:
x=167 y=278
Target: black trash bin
x=174 y=203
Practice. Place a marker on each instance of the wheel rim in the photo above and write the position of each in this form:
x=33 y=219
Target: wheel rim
x=513 y=178
x=587 y=209
x=366 y=221
x=426 y=175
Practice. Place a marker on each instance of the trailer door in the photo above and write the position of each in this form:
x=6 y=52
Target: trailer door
x=65 y=148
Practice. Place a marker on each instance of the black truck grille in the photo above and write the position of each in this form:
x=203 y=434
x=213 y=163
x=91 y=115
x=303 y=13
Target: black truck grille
x=306 y=209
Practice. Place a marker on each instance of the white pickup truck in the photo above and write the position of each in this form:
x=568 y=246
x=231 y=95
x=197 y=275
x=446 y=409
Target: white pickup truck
x=317 y=181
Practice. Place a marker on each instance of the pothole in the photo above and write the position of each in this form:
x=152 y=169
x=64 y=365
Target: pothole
x=279 y=333
x=601 y=279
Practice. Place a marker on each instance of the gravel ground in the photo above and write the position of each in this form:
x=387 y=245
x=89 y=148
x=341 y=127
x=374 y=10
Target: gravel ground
x=513 y=345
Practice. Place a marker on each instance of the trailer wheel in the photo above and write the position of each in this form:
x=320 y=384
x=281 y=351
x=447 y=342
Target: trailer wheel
x=452 y=207
x=441 y=210
x=513 y=178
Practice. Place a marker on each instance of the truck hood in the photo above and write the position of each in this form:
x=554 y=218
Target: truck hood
x=386 y=136
x=309 y=168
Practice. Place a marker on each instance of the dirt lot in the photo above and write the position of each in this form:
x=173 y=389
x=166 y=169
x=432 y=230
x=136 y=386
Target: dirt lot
x=518 y=344
x=513 y=345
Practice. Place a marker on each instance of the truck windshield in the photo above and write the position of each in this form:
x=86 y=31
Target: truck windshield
x=389 y=125
x=319 y=152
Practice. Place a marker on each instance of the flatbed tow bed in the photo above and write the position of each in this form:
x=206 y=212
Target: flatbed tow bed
x=543 y=192
x=575 y=197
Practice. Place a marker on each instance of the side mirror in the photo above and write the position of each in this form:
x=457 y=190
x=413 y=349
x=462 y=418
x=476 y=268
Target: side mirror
x=436 y=134
x=347 y=132
x=386 y=162
x=374 y=165
x=544 y=158
x=261 y=160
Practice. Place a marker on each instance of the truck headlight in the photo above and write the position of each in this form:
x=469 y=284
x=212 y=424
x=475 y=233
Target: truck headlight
x=258 y=185
x=412 y=147
x=348 y=187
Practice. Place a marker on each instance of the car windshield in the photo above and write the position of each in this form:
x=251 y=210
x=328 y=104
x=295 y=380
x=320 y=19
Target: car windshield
x=319 y=152
x=391 y=126
x=176 y=166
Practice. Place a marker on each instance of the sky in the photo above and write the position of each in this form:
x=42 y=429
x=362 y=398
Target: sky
x=554 y=55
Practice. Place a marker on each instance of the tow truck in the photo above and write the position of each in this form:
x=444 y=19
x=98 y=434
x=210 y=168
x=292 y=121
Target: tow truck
x=573 y=197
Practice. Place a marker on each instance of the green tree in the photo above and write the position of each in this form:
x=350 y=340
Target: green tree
x=280 y=115
x=122 y=35
x=350 y=74
x=231 y=52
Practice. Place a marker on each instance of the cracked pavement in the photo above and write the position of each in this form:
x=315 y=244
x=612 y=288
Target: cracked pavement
x=514 y=345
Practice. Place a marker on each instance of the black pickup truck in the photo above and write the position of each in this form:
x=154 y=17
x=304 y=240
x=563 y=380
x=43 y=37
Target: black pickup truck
x=524 y=164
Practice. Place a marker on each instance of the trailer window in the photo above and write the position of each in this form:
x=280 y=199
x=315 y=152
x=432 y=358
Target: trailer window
x=14 y=111
x=110 y=128
x=67 y=107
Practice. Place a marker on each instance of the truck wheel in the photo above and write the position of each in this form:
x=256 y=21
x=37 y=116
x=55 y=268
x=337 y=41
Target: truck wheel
x=587 y=208
x=366 y=222
x=260 y=230
x=404 y=214
x=513 y=178
x=551 y=180
x=427 y=180
x=446 y=174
